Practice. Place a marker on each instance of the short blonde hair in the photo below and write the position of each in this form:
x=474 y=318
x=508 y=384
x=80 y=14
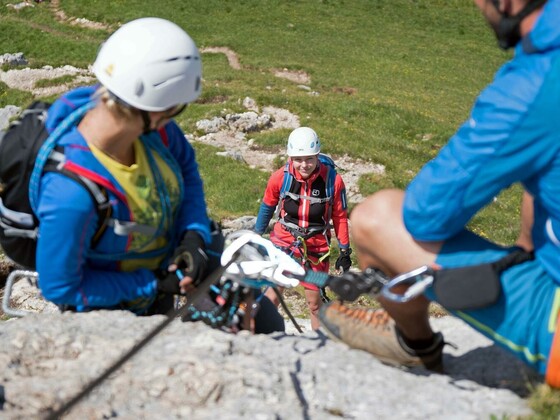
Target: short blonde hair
x=114 y=105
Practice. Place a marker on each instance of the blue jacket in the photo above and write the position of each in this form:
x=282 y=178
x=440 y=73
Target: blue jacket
x=512 y=135
x=70 y=271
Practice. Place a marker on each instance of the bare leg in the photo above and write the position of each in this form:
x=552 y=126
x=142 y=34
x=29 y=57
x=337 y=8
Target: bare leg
x=382 y=241
x=313 y=298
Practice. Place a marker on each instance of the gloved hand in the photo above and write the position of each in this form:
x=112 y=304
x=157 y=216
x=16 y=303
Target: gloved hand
x=168 y=283
x=343 y=261
x=190 y=257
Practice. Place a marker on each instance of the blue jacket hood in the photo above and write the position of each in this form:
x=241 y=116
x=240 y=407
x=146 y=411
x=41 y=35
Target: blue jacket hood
x=68 y=103
x=546 y=32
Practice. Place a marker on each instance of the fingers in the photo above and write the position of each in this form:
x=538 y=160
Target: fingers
x=186 y=284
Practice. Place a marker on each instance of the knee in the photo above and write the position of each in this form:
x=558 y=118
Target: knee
x=313 y=306
x=378 y=212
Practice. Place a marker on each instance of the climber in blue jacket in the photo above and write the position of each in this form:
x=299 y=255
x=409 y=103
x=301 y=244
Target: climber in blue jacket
x=126 y=142
x=512 y=136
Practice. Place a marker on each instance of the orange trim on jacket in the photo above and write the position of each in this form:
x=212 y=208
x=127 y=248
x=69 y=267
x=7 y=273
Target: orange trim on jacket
x=553 y=368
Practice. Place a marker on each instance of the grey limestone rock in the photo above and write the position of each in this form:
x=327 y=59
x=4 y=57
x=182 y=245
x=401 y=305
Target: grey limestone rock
x=192 y=371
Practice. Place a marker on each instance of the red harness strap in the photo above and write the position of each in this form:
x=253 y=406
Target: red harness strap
x=553 y=368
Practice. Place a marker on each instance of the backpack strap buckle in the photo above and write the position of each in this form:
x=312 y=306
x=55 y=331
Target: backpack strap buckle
x=125 y=228
x=12 y=217
x=298 y=231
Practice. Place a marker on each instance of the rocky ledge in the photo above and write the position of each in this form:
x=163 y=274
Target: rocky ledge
x=192 y=371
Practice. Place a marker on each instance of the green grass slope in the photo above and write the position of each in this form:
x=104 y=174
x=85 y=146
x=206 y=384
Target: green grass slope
x=395 y=77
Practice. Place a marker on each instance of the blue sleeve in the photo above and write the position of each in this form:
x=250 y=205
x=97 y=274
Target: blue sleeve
x=192 y=214
x=263 y=218
x=506 y=140
x=68 y=221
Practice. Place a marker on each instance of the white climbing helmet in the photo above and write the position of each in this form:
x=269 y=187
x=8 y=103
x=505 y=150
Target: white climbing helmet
x=151 y=64
x=303 y=141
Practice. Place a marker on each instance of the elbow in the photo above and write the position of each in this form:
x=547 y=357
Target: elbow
x=57 y=293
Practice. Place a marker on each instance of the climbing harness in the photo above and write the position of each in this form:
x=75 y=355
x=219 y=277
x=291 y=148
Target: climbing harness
x=301 y=246
x=289 y=179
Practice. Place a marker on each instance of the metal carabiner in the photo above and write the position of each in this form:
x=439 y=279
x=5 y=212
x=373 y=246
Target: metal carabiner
x=14 y=276
x=419 y=280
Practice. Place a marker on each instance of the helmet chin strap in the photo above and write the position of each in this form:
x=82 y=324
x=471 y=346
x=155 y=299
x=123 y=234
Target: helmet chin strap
x=147 y=122
x=144 y=114
x=508 y=30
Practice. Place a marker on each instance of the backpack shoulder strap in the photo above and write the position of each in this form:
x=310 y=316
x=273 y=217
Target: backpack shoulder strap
x=97 y=193
x=48 y=147
x=331 y=178
x=331 y=174
x=284 y=189
x=286 y=181
x=329 y=185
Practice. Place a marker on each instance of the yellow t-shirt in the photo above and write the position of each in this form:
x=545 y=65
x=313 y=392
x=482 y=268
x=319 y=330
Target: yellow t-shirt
x=138 y=183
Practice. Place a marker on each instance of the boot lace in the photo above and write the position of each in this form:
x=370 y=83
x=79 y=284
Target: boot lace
x=377 y=318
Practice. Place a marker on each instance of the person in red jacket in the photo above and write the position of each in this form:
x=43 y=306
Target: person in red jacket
x=306 y=205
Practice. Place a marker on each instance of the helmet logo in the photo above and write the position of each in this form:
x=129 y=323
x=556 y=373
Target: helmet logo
x=315 y=193
x=109 y=69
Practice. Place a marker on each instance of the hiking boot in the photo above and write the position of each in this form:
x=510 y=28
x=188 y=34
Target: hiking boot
x=374 y=331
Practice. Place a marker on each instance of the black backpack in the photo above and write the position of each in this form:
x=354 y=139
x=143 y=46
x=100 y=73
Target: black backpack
x=19 y=147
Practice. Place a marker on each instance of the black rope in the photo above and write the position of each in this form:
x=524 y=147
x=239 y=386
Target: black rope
x=324 y=297
x=285 y=307
x=174 y=313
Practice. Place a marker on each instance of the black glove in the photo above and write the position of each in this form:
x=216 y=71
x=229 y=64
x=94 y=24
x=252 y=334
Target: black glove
x=190 y=257
x=343 y=261
x=167 y=283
